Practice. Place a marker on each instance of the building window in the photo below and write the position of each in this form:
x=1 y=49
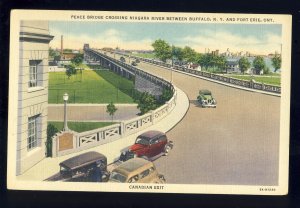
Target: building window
x=33 y=72
x=32 y=132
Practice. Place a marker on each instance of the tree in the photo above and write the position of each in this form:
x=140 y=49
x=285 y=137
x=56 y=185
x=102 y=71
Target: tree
x=71 y=70
x=52 y=52
x=166 y=95
x=220 y=62
x=205 y=60
x=51 y=131
x=189 y=54
x=259 y=63
x=146 y=103
x=276 y=62
x=177 y=53
x=77 y=59
x=162 y=50
x=244 y=64
x=111 y=109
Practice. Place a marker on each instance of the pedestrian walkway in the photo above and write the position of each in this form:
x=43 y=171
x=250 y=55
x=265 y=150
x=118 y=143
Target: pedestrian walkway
x=91 y=112
x=50 y=166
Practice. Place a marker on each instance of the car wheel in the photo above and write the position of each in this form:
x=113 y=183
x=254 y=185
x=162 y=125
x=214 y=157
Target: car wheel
x=167 y=150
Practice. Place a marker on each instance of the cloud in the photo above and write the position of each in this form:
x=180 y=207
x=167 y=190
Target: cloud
x=223 y=39
x=108 y=38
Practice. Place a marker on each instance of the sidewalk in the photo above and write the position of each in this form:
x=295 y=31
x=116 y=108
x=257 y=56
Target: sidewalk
x=50 y=166
x=91 y=112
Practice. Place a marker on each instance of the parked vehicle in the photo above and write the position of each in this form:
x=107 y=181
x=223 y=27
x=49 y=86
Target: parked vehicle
x=149 y=145
x=136 y=170
x=206 y=99
x=137 y=60
x=89 y=166
x=122 y=59
x=133 y=63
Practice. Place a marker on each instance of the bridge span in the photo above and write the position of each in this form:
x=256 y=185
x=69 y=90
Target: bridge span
x=235 y=144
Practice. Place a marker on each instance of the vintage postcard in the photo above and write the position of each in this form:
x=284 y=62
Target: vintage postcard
x=149 y=102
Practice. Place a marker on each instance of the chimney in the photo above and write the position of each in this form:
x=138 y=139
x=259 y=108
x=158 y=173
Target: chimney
x=62 y=47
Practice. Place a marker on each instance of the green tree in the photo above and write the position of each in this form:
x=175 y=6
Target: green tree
x=177 y=53
x=189 y=54
x=166 y=95
x=162 y=50
x=259 y=63
x=51 y=131
x=146 y=103
x=220 y=62
x=111 y=109
x=71 y=70
x=77 y=59
x=205 y=60
x=244 y=64
x=52 y=52
x=276 y=62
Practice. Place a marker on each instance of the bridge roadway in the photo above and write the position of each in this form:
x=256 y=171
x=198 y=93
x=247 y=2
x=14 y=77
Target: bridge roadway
x=236 y=143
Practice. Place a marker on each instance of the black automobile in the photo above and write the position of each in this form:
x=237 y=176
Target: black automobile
x=122 y=59
x=87 y=167
x=134 y=63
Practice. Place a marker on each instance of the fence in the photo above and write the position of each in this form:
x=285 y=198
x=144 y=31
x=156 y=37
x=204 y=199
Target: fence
x=63 y=145
x=233 y=81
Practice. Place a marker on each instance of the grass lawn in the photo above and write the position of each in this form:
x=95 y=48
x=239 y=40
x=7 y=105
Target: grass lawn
x=90 y=87
x=144 y=55
x=273 y=80
x=80 y=126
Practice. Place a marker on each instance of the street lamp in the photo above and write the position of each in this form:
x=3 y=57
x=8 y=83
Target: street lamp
x=65 y=97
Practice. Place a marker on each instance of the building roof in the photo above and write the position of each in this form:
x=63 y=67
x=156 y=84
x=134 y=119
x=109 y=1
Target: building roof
x=83 y=159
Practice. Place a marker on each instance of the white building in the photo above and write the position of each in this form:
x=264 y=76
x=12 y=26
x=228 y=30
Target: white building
x=32 y=93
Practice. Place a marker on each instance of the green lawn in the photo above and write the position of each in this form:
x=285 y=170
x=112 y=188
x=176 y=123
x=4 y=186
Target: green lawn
x=90 y=87
x=144 y=55
x=80 y=126
x=272 y=80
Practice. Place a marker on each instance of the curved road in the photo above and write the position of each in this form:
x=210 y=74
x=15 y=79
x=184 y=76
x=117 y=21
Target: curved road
x=236 y=144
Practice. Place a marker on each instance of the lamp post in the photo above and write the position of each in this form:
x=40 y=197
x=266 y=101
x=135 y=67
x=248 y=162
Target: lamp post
x=65 y=97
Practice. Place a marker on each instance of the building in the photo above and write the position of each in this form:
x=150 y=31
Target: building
x=32 y=93
x=232 y=66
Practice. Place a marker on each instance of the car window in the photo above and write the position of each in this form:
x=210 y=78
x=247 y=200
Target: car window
x=144 y=173
x=133 y=179
x=153 y=141
x=162 y=138
x=115 y=176
x=141 y=140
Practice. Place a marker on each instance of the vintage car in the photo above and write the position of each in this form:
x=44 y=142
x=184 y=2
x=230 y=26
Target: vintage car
x=136 y=170
x=149 y=145
x=89 y=167
x=122 y=59
x=206 y=99
x=134 y=63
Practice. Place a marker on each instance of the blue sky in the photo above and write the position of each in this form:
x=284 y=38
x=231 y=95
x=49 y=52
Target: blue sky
x=258 y=38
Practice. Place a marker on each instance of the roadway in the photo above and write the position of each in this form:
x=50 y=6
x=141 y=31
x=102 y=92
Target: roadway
x=236 y=143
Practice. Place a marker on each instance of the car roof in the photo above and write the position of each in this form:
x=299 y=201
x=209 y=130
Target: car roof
x=83 y=159
x=133 y=166
x=205 y=91
x=150 y=134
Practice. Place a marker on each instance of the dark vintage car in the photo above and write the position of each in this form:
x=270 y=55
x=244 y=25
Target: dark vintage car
x=149 y=145
x=206 y=99
x=122 y=59
x=87 y=167
x=136 y=170
x=134 y=63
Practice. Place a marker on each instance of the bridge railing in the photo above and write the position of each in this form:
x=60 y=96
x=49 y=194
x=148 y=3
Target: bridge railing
x=89 y=139
x=233 y=81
